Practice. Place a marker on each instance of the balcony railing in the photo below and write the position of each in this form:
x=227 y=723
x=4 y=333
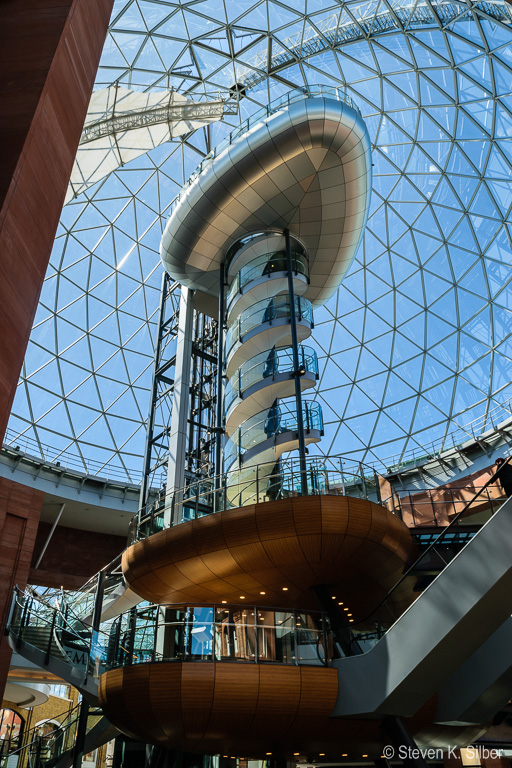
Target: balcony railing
x=220 y=633
x=268 y=425
x=266 y=265
x=264 y=367
x=260 y=482
x=282 y=102
x=267 y=311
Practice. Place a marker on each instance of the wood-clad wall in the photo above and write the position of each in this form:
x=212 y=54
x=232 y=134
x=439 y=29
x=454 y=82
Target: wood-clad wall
x=50 y=50
x=50 y=54
x=20 y=508
x=248 y=710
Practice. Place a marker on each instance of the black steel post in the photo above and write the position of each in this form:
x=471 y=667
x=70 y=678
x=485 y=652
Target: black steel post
x=50 y=637
x=78 y=749
x=38 y=752
x=404 y=744
x=144 y=487
x=220 y=365
x=339 y=624
x=98 y=601
x=296 y=374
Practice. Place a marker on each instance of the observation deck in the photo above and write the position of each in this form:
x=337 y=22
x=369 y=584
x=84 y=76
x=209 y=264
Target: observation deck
x=304 y=164
x=230 y=541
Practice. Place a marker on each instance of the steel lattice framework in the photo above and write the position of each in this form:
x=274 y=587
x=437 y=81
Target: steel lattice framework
x=417 y=342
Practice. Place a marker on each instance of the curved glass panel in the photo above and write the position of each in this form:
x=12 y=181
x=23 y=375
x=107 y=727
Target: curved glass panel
x=265 y=312
x=265 y=266
x=280 y=418
x=220 y=633
x=265 y=366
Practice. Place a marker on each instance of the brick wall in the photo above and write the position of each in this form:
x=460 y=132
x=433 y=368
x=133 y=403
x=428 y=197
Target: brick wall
x=72 y=556
x=50 y=54
x=20 y=509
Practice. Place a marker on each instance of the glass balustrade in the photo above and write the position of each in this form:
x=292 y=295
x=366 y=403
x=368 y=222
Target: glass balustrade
x=266 y=265
x=220 y=633
x=268 y=424
x=267 y=311
x=266 y=365
x=58 y=635
x=282 y=479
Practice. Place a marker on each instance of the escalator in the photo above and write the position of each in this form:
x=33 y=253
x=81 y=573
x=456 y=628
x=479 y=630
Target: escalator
x=447 y=626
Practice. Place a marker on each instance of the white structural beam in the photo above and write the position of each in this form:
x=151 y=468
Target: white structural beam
x=122 y=125
x=178 y=438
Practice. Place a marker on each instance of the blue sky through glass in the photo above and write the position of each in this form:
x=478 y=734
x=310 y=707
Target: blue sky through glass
x=417 y=342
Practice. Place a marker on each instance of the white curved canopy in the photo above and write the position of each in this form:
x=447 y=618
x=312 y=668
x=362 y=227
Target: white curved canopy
x=122 y=124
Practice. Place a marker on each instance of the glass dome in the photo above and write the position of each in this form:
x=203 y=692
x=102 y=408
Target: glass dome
x=416 y=344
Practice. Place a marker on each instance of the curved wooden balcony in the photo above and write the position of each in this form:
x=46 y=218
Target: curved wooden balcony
x=250 y=711
x=274 y=553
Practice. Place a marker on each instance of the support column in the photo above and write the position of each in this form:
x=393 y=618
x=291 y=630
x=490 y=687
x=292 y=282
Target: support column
x=219 y=419
x=178 y=440
x=296 y=374
x=144 y=486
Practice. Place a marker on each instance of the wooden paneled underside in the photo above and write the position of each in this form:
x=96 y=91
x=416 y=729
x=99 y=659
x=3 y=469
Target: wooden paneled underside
x=354 y=546
x=247 y=710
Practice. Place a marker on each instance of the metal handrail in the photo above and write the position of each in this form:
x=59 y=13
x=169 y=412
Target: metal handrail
x=266 y=311
x=250 y=271
x=264 y=366
x=268 y=424
x=36 y=744
x=136 y=632
x=282 y=102
x=326 y=476
x=57 y=621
